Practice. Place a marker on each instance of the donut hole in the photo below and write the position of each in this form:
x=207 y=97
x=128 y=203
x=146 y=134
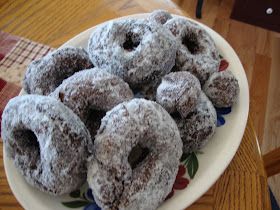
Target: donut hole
x=137 y=155
x=148 y=93
x=132 y=40
x=93 y=120
x=61 y=96
x=27 y=145
x=175 y=68
x=139 y=93
x=26 y=138
x=191 y=42
x=175 y=115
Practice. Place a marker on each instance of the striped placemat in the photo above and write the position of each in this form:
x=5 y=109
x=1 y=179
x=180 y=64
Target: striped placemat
x=15 y=54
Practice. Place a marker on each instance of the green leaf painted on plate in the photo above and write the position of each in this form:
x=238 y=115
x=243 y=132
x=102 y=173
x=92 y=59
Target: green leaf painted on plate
x=192 y=165
x=75 y=204
x=187 y=159
x=191 y=162
x=75 y=194
x=184 y=156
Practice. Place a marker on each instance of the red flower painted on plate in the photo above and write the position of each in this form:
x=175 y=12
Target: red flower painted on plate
x=180 y=181
x=223 y=65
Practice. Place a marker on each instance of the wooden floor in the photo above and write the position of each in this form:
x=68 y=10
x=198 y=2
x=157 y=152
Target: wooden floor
x=259 y=51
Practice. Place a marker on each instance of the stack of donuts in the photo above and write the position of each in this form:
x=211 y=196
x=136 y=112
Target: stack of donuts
x=120 y=114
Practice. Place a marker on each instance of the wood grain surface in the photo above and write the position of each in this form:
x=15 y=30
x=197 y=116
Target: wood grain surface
x=271 y=162
x=272 y=118
x=244 y=184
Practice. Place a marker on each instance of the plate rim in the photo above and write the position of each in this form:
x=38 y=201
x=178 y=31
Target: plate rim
x=181 y=203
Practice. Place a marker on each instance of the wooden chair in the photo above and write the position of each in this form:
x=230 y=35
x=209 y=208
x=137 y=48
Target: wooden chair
x=272 y=162
x=272 y=167
x=198 y=10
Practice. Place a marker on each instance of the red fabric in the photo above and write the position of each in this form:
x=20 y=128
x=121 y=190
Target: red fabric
x=16 y=51
x=1 y=112
x=7 y=91
x=7 y=43
x=1 y=56
x=2 y=84
x=24 y=52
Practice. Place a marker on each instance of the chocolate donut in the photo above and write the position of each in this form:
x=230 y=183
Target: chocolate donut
x=138 y=51
x=179 y=92
x=199 y=126
x=118 y=184
x=44 y=75
x=48 y=143
x=159 y=16
x=222 y=88
x=197 y=52
x=91 y=93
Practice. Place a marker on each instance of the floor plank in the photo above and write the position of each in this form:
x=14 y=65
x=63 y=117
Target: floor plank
x=259 y=91
x=272 y=117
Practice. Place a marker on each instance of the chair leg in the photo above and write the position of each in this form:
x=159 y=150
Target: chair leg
x=199 y=8
x=272 y=162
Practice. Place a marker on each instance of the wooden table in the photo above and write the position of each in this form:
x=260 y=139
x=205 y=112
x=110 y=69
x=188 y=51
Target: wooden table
x=244 y=183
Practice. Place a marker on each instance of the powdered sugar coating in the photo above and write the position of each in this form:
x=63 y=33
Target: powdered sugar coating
x=138 y=51
x=114 y=183
x=179 y=92
x=48 y=143
x=92 y=90
x=44 y=75
x=199 y=126
x=222 y=89
x=197 y=52
x=159 y=16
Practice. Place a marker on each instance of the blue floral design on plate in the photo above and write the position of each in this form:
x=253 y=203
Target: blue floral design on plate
x=92 y=206
x=82 y=199
x=220 y=112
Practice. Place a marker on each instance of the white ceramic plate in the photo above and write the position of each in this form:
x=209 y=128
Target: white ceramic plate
x=215 y=158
